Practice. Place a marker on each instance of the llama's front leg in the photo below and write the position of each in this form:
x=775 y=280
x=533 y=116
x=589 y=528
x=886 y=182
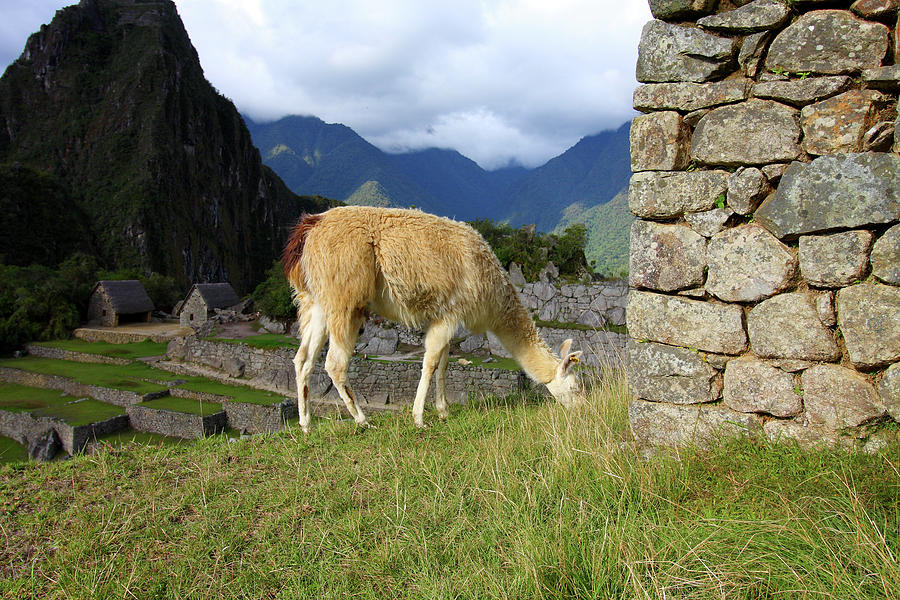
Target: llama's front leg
x=436 y=341
x=312 y=339
x=440 y=387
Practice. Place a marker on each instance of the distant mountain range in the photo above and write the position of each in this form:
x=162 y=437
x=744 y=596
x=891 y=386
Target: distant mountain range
x=316 y=158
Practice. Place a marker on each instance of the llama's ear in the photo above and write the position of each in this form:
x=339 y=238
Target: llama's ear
x=568 y=358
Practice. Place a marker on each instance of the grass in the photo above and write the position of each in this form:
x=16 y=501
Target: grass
x=54 y=404
x=263 y=340
x=577 y=326
x=239 y=393
x=20 y=398
x=11 y=451
x=132 y=377
x=132 y=350
x=506 y=499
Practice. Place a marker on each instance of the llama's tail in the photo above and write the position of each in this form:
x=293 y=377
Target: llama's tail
x=293 y=250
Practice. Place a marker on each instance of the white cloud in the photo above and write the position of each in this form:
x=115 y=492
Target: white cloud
x=494 y=79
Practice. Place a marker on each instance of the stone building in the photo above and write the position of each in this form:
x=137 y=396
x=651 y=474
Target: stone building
x=113 y=303
x=765 y=261
x=203 y=299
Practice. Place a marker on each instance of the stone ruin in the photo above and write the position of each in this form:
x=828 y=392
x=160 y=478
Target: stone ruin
x=765 y=261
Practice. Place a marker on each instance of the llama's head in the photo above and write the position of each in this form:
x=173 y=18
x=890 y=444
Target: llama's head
x=565 y=385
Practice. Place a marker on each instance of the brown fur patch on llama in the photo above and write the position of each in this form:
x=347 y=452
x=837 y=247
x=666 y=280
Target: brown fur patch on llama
x=293 y=249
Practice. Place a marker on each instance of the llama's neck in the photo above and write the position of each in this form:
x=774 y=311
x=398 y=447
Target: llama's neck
x=516 y=331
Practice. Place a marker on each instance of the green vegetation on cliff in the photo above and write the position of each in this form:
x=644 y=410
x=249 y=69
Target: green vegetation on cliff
x=109 y=103
x=608 y=233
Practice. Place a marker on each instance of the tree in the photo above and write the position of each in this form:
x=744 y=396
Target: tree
x=273 y=297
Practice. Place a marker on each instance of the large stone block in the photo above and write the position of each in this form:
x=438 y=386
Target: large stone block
x=660 y=142
x=801 y=92
x=788 y=326
x=874 y=9
x=886 y=256
x=666 y=257
x=708 y=222
x=889 y=390
x=755 y=386
x=676 y=321
x=828 y=41
x=834 y=260
x=746 y=188
x=663 y=195
x=659 y=424
x=759 y=15
x=687 y=96
x=755 y=132
x=838 y=397
x=869 y=318
x=751 y=52
x=846 y=191
x=669 y=52
x=747 y=264
x=670 y=374
x=805 y=435
x=668 y=9
x=839 y=124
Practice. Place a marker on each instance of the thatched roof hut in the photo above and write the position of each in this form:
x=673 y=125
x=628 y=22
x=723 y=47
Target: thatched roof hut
x=203 y=298
x=115 y=302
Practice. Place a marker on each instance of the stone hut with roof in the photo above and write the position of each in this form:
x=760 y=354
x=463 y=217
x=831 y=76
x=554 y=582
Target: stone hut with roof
x=202 y=300
x=113 y=303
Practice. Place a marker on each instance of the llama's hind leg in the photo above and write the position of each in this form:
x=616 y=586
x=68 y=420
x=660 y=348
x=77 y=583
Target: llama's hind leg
x=343 y=337
x=312 y=339
x=436 y=342
x=440 y=384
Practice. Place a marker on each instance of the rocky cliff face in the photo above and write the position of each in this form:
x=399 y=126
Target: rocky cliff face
x=110 y=99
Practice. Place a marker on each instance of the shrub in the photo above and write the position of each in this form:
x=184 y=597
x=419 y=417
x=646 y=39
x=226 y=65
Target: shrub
x=273 y=296
x=533 y=250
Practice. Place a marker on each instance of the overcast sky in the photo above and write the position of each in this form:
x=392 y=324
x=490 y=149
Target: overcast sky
x=497 y=80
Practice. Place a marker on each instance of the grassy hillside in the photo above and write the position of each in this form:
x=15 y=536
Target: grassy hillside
x=609 y=231
x=589 y=173
x=504 y=500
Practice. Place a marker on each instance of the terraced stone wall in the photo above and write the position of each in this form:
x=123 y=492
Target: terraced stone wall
x=765 y=263
x=377 y=381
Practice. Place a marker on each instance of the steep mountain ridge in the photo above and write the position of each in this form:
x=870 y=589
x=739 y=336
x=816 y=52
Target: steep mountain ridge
x=332 y=160
x=110 y=100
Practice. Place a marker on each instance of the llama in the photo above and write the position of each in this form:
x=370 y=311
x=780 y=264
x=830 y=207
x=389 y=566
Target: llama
x=417 y=269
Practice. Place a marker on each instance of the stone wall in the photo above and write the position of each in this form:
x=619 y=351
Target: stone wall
x=25 y=428
x=194 y=311
x=374 y=381
x=595 y=305
x=765 y=263
x=59 y=353
x=176 y=424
